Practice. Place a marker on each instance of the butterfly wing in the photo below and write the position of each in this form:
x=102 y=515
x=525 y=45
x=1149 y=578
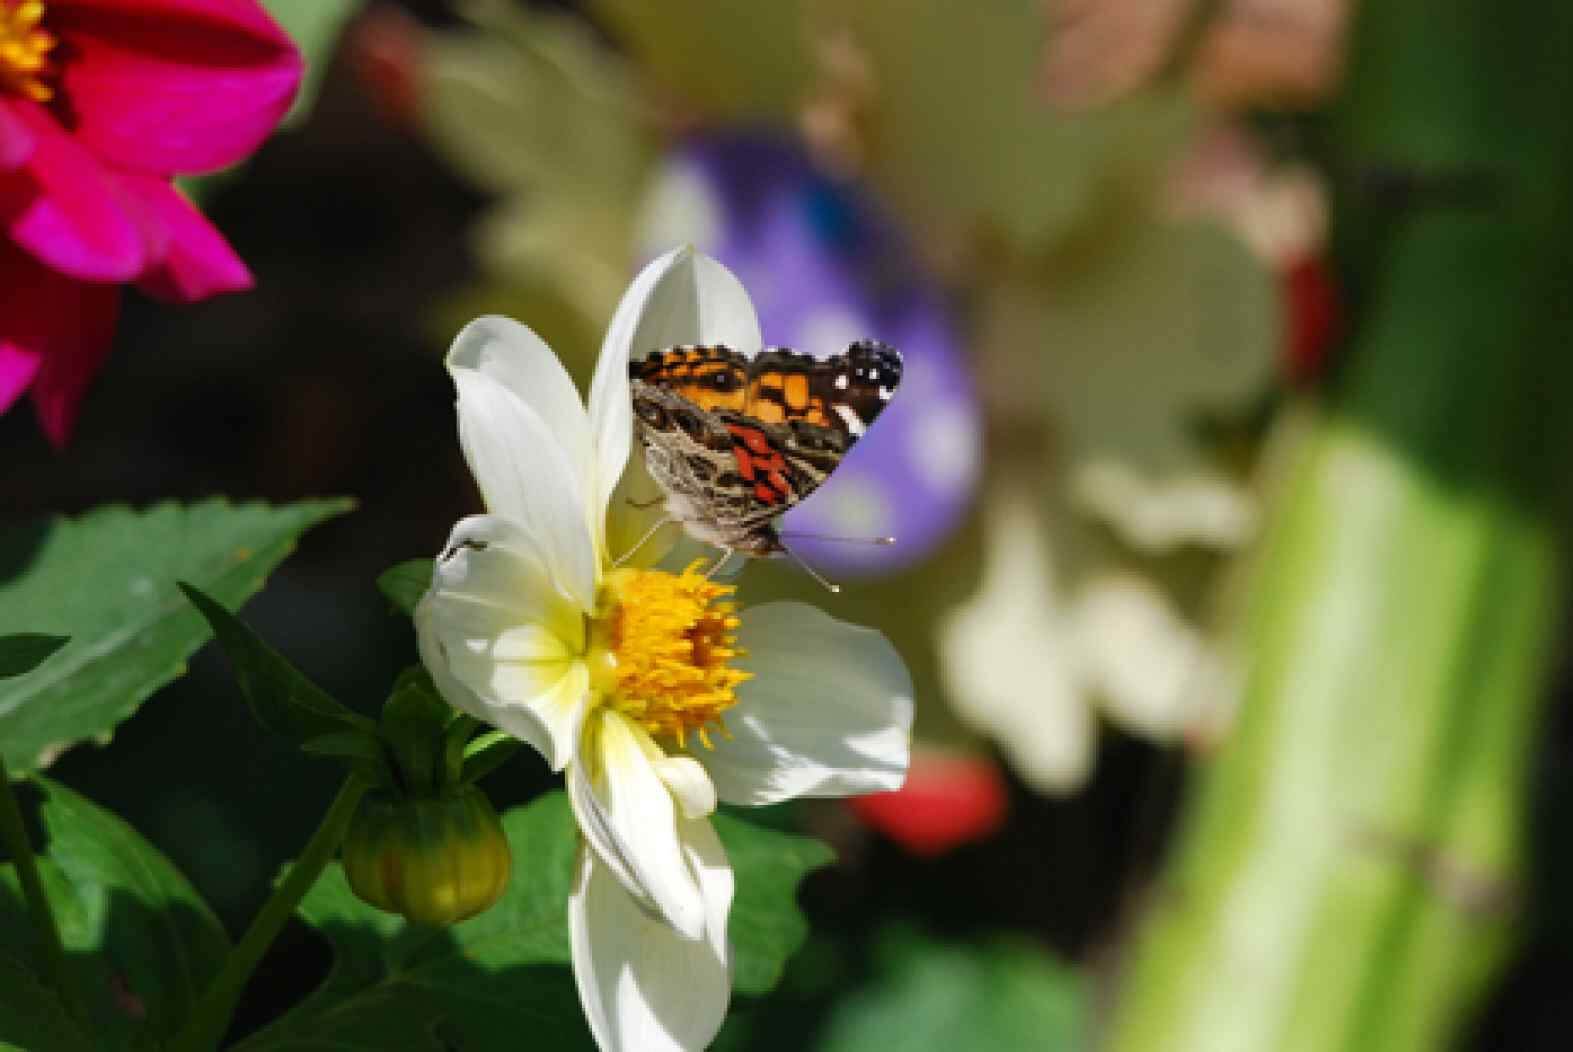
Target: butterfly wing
x=802 y=414
x=738 y=441
x=844 y=392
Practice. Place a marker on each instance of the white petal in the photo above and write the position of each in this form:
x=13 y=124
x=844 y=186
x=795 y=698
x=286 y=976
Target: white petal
x=596 y=826
x=495 y=568
x=682 y=297
x=1145 y=661
x=501 y=642
x=828 y=712
x=690 y=785
x=627 y=816
x=527 y=476
x=707 y=860
x=611 y=414
x=643 y=987
x=520 y=721
x=517 y=358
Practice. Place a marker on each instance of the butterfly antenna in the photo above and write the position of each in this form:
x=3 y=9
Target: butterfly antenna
x=651 y=532
x=833 y=589
x=839 y=539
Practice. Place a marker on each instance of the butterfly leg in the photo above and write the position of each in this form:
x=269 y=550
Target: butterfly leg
x=640 y=543
x=726 y=556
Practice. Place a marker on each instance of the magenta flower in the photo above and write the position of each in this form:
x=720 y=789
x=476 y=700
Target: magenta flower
x=102 y=103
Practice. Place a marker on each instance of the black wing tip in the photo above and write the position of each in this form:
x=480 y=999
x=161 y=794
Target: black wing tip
x=882 y=360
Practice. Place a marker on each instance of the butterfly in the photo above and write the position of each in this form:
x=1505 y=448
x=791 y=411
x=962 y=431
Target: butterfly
x=735 y=441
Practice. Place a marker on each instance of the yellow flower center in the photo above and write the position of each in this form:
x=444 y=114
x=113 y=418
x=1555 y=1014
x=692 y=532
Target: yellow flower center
x=24 y=50
x=661 y=651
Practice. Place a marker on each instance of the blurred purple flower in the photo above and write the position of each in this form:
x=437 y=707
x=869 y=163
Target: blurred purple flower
x=826 y=266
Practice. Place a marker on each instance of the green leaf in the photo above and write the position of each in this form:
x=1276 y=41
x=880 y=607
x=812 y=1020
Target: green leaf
x=481 y=984
x=935 y=997
x=107 y=580
x=25 y=651
x=281 y=697
x=487 y=753
x=405 y=583
x=766 y=926
x=32 y=1017
x=141 y=942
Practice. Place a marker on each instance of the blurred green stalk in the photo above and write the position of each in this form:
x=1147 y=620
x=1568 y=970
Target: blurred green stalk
x=1349 y=872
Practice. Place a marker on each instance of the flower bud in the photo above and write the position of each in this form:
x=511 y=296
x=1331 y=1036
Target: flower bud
x=433 y=861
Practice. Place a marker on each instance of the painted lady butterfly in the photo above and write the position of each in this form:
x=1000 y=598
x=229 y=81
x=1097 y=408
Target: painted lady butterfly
x=735 y=441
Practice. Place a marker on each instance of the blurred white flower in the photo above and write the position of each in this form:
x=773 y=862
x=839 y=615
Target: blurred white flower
x=1006 y=656
x=1029 y=661
x=1138 y=657
x=648 y=689
x=1158 y=515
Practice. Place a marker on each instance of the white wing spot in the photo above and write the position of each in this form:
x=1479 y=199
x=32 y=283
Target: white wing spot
x=850 y=418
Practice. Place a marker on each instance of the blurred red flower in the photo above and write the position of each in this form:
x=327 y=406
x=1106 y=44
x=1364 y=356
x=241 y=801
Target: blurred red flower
x=102 y=103
x=1312 y=316
x=949 y=799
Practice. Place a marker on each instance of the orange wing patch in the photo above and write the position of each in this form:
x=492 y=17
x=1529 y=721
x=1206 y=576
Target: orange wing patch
x=711 y=378
x=777 y=396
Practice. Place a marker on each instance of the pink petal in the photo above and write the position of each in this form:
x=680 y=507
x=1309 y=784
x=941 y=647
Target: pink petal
x=16 y=142
x=65 y=209
x=54 y=333
x=196 y=261
x=18 y=366
x=166 y=86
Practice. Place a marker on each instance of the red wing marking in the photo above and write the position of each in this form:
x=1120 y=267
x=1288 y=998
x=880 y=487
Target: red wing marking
x=745 y=463
x=754 y=440
x=762 y=464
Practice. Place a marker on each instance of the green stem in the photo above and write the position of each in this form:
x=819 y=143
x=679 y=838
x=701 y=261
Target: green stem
x=14 y=834
x=211 y=1017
